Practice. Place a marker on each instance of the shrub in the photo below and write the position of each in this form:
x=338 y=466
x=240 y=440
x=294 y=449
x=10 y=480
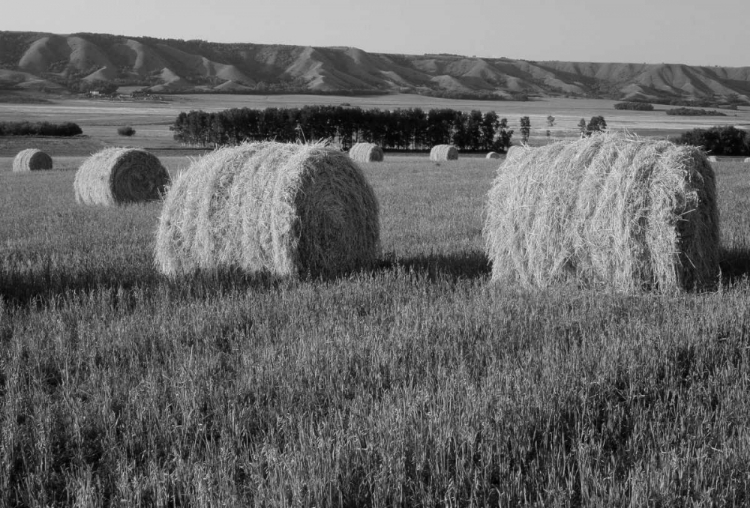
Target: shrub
x=126 y=130
x=635 y=106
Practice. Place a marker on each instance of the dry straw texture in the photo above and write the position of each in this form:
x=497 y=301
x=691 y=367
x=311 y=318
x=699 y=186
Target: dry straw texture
x=492 y=155
x=366 y=152
x=515 y=151
x=283 y=209
x=443 y=153
x=120 y=175
x=609 y=210
x=31 y=159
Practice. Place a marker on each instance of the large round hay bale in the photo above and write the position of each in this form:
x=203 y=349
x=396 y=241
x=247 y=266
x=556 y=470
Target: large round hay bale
x=712 y=158
x=31 y=159
x=514 y=151
x=443 y=153
x=608 y=210
x=120 y=175
x=492 y=155
x=366 y=152
x=283 y=209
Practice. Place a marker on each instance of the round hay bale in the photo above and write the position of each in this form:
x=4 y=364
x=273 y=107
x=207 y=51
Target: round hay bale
x=607 y=210
x=284 y=209
x=514 y=151
x=747 y=159
x=443 y=153
x=712 y=158
x=492 y=155
x=31 y=159
x=116 y=176
x=366 y=152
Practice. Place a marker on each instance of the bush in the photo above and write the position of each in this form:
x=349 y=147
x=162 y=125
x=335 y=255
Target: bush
x=635 y=106
x=126 y=130
x=717 y=140
x=694 y=112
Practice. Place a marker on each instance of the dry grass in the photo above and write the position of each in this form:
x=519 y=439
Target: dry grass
x=443 y=153
x=284 y=209
x=31 y=159
x=609 y=210
x=366 y=152
x=118 y=176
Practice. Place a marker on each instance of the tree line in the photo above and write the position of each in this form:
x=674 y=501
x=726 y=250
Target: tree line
x=39 y=129
x=727 y=140
x=400 y=129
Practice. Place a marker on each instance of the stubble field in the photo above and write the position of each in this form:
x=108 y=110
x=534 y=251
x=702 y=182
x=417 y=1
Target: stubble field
x=417 y=383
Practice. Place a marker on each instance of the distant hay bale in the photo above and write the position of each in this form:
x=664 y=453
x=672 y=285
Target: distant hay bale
x=443 y=153
x=607 y=210
x=747 y=159
x=120 y=175
x=283 y=209
x=31 y=159
x=492 y=155
x=712 y=158
x=366 y=152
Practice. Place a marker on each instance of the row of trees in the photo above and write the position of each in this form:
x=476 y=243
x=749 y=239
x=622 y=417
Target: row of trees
x=39 y=129
x=727 y=140
x=401 y=129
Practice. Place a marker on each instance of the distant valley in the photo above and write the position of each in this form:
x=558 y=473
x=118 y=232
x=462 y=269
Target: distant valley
x=71 y=63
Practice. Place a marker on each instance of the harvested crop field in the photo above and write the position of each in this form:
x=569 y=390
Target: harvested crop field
x=416 y=382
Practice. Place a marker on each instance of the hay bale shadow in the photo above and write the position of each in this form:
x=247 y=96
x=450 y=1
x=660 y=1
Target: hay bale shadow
x=735 y=264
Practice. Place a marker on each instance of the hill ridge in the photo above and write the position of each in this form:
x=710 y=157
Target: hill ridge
x=40 y=60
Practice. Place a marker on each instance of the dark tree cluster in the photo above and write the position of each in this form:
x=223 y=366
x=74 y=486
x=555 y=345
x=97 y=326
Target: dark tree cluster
x=635 y=106
x=39 y=129
x=694 y=112
x=727 y=140
x=400 y=129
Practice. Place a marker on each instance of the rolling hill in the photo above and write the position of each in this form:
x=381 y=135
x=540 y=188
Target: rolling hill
x=53 y=62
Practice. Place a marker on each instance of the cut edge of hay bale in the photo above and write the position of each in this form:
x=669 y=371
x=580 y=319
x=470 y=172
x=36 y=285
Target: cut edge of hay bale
x=31 y=159
x=366 y=152
x=118 y=175
x=443 y=153
x=288 y=210
x=611 y=210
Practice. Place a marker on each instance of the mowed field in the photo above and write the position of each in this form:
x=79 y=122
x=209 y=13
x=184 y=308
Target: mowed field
x=415 y=383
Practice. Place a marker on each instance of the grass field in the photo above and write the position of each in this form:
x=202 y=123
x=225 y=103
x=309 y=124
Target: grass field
x=418 y=383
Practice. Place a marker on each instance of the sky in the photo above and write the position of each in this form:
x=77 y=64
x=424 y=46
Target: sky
x=694 y=32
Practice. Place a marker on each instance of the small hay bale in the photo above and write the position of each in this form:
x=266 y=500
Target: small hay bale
x=607 y=210
x=366 y=152
x=443 y=153
x=712 y=158
x=747 y=159
x=116 y=176
x=31 y=159
x=284 y=209
x=492 y=155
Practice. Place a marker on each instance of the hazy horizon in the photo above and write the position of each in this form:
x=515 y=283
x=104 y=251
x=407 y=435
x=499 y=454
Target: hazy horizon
x=579 y=30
